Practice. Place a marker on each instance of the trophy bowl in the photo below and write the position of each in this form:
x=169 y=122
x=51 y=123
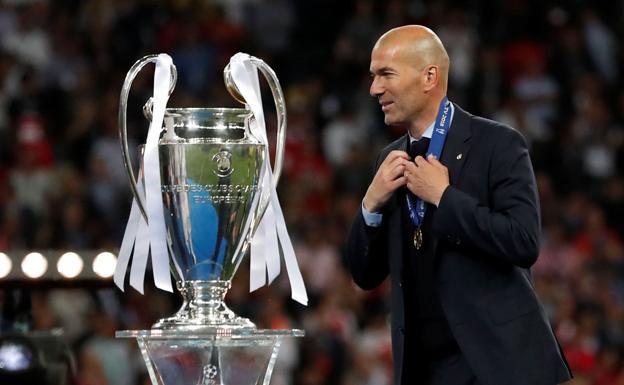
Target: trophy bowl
x=210 y=172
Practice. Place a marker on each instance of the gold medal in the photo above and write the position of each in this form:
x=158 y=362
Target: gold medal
x=418 y=238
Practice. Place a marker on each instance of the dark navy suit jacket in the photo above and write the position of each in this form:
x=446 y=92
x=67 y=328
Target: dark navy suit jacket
x=486 y=230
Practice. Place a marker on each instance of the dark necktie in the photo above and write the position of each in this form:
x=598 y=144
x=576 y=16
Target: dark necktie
x=419 y=147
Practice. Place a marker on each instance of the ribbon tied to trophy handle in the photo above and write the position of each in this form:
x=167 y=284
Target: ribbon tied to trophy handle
x=268 y=234
x=280 y=108
x=146 y=229
x=147 y=111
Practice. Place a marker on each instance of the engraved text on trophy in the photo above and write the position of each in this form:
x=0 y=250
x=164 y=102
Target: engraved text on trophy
x=217 y=193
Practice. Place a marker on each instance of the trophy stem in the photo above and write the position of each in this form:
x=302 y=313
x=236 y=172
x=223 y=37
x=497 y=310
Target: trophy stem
x=204 y=308
x=206 y=300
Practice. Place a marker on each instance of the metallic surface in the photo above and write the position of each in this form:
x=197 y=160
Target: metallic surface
x=210 y=190
x=210 y=173
x=211 y=167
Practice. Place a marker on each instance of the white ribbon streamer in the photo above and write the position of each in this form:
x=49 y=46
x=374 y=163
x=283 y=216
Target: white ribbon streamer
x=141 y=252
x=271 y=232
x=153 y=193
x=128 y=242
x=150 y=237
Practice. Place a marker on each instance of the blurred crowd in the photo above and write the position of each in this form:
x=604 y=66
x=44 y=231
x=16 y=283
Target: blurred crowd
x=554 y=70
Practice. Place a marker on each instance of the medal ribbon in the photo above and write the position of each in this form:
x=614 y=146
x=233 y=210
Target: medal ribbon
x=416 y=206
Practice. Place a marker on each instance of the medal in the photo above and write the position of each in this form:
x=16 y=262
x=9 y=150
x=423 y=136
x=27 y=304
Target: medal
x=418 y=238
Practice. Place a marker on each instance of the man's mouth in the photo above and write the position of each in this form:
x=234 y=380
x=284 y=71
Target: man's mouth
x=386 y=105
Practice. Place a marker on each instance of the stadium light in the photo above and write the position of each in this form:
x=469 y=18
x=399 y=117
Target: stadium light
x=104 y=264
x=57 y=267
x=34 y=265
x=70 y=265
x=5 y=265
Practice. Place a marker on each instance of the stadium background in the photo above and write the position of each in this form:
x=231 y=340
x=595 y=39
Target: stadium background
x=552 y=69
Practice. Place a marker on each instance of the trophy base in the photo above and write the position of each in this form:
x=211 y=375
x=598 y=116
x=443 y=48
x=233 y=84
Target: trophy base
x=203 y=325
x=204 y=310
x=242 y=357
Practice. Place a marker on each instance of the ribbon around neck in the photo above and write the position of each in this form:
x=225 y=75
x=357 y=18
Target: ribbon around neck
x=417 y=207
x=149 y=237
x=271 y=232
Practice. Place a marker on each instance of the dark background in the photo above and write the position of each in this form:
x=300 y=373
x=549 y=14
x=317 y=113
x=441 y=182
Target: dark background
x=551 y=69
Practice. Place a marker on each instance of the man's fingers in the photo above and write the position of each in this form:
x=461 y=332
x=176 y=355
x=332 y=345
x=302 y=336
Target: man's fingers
x=397 y=170
x=397 y=161
x=411 y=167
x=419 y=160
x=435 y=162
x=399 y=153
x=388 y=170
x=393 y=155
x=392 y=174
x=398 y=182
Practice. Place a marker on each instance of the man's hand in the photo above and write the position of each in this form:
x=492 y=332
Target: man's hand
x=388 y=178
x=427 y=179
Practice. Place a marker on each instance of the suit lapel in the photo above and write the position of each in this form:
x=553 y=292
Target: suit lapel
x=455 y=151
x=395 y=247
x=457 y=144
x=398 y=145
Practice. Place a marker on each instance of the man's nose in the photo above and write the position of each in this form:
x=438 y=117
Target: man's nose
x=376 y=89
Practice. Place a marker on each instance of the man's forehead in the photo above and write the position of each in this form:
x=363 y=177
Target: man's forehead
x=385 y=57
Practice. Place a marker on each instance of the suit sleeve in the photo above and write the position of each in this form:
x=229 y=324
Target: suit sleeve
x=366 y=253
x=508 y=227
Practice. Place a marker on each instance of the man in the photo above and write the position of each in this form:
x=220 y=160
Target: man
x=456 y=235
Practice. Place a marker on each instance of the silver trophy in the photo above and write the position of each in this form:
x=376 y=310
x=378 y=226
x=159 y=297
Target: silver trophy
x=211 y=167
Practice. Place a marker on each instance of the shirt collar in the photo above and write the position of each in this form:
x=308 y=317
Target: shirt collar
x=429 y=131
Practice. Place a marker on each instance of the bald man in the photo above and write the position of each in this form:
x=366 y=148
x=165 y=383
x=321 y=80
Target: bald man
x=452 y=216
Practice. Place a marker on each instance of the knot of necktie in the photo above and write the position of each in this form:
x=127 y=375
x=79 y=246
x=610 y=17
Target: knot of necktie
x=419 y=147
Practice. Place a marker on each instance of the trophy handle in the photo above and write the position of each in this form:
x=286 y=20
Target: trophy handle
x=280 y=108
x=123 y=113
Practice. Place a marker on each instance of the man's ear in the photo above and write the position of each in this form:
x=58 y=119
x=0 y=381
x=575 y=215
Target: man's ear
x=432 y=77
